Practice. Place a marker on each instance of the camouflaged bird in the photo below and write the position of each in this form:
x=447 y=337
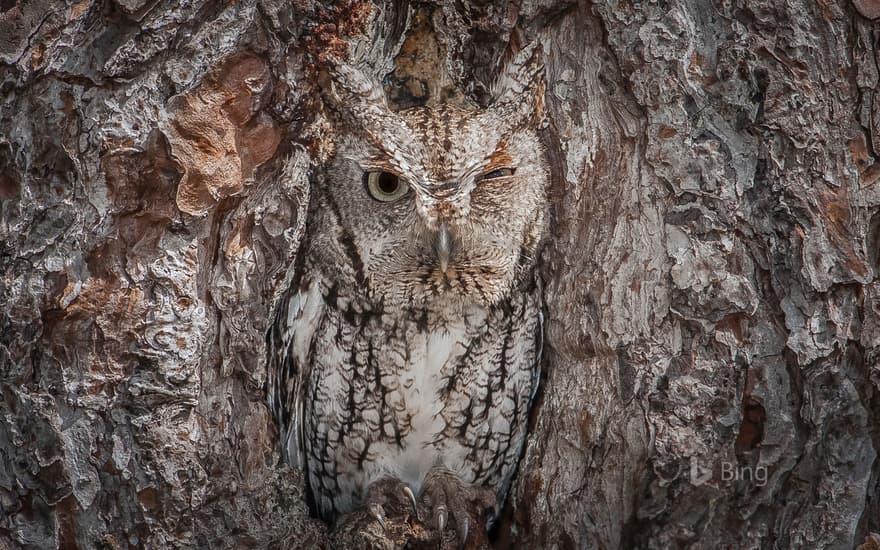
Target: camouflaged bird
x=404 y=358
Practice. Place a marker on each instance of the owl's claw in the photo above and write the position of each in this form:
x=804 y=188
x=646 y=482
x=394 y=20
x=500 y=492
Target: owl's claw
x=446 y=495
x=389 y=495
x=440 y=516
x=463 y=530
x=379 y=514
x=412 y=498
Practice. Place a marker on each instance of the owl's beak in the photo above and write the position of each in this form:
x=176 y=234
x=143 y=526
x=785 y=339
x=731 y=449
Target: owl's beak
x=443 y=246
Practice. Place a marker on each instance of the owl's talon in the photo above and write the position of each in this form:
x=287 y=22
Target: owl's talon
x=440 y=516
x=379 y=514
x=412 y=498
x=446 y=495
x=390 y=501
x=462 y=524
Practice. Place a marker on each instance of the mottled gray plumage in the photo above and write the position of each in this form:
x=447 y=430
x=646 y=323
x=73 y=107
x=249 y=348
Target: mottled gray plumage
x=410 y=337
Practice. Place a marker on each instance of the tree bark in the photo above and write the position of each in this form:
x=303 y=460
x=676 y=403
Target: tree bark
x=713 y=307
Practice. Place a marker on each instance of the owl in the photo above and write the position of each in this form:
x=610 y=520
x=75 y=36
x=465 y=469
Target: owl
x=404 y=358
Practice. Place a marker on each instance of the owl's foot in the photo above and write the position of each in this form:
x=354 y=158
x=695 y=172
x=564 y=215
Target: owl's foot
x=449 y=498
x=390 y=494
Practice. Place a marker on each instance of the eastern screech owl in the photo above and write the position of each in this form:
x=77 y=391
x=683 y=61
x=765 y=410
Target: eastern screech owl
x=405 y=353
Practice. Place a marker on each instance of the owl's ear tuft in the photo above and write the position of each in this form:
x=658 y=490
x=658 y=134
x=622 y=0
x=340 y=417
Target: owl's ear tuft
x=353 y=74
x=347 y=88
x=520 y=86
x=354 y=93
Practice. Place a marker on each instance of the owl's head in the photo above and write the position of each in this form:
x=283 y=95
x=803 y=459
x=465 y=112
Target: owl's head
x=439 y=203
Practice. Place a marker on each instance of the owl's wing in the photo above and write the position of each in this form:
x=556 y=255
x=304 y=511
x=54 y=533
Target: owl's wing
x=539 y=355
x=288 y=341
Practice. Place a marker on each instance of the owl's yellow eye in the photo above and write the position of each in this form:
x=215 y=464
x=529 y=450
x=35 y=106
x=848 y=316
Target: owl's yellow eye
x=384 y=186
x=497 y=173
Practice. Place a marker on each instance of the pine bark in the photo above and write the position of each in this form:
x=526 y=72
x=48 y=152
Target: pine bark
x=711 y=278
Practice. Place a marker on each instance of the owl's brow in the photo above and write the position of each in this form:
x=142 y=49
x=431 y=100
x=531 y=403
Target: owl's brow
x=375 y=163
x=499 y=158
x=393 y=158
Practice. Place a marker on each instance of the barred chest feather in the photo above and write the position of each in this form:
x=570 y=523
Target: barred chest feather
x=396 y=393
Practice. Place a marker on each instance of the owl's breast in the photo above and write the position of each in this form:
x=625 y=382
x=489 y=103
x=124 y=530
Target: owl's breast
x=433 y=354
x=398 y=394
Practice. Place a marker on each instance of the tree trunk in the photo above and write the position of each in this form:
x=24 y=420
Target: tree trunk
x=713 y=308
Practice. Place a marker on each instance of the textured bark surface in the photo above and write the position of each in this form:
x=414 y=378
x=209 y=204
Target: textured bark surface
x=711 y=281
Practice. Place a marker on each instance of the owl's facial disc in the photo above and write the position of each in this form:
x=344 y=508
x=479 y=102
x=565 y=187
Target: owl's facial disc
x=439 y=206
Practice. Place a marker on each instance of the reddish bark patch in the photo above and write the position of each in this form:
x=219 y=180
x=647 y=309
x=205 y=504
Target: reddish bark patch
x=699 y=69
x=666 y=132
x=586 y=426
x=149 y=500
x=142 y=181
x=532 y=488
x=835 y=207
x=869 y=171
x=858 y=149
x=326 y=44
x=141 y=186
x=868 y=8
x=734 y=324
x=218 y=134
x=67 y=520
x=871 y=175
x=751 y=431
x=28 y=23
x=414 y=81
x=872 y=542
x=825 y=10
x=9 y=187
